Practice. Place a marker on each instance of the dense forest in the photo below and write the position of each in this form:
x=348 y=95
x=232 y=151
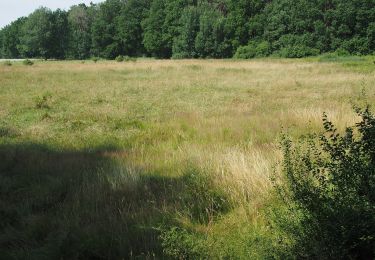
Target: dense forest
x=194 y=29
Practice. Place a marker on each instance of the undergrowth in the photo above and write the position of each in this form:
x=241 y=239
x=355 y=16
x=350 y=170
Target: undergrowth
x=328 y=185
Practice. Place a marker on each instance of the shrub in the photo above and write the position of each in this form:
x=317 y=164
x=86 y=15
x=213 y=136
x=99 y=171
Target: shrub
x=263 y=49
x=252 y=50
x=120 y=58
x=7 y=63
x=296 y=46
x=297 y=51
x=95 y=59
x=356 y=45
x=342 y=52
x=28 y=62
x=329 y=187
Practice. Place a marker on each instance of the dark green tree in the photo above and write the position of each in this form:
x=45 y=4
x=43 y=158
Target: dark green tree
x=129 y=27
x=60 y=34
x=211 y=38
x=172 y=21
x=184 y=43
x=37 y=37
x=106 y=42
x=10 y=39
x=244 y=20
x=79 y=43
x=2 y=39
x=154 y=40
x=194 y=28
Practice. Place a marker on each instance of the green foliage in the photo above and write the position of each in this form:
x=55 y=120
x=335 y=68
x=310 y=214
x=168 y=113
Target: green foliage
x=79 y=35
x=342 y=52
x=28 y=62
x=37 y=37
x=10 y=39
x=245 y=52
x=297 y=51
x=60 y=34
x=211 y=38
x=153 y=39
x=244 y=22
x=329 y=186
x=172 y=21
x=295 y=46
x=190 y=29
x=263 y=49
x=129 y=26
x=252 y=50
x=184 y=43
x=120 y=58
x=104 y=34
x=95 y=59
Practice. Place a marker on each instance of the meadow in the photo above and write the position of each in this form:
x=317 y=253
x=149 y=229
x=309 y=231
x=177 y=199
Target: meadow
x=158 y=158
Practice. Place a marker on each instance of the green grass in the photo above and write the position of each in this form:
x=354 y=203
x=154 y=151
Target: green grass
x=152 y=158
x=364 y=64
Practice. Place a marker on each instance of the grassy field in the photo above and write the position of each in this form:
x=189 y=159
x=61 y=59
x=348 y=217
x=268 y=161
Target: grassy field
x=155 y=159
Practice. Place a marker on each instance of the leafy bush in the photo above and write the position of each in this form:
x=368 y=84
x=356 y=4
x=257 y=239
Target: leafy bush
x=296 y=46
x=342 y=52
x=252 y=50
x=28 y=62
x=329 y=187
x=120 y=58
x=95 y=59
x=7 y=63
x=263 y=49
x=245 y=52
x=297 y=51
x=356 y=45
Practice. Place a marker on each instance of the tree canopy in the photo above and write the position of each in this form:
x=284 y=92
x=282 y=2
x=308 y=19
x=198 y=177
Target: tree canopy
x=193 y=28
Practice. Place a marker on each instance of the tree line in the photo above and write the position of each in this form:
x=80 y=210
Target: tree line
x=193 y=29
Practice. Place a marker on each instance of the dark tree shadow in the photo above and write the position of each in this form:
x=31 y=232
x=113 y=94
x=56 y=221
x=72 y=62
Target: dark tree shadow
x=82 y=205
x=69 y=204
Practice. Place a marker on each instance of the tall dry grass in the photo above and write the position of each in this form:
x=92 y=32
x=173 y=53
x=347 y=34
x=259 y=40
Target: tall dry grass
x=152 y=123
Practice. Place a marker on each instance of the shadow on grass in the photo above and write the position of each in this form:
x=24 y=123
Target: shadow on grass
x=84 y=205
x=59 y=204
